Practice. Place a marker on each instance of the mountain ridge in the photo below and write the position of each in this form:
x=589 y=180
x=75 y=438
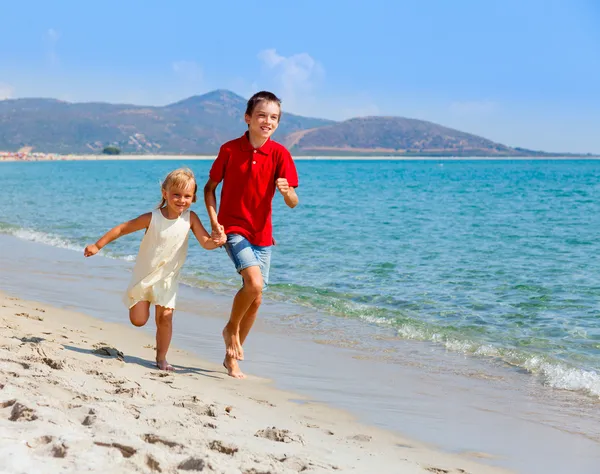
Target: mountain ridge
x=199 y=124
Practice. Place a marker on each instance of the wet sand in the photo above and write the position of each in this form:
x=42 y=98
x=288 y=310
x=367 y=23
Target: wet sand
x=460 y=408
x=81 y=395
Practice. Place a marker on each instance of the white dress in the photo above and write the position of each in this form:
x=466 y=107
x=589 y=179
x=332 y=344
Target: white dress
x=160 y=258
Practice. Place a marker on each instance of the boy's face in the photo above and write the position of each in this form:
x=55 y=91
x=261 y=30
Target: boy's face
x=264 y=119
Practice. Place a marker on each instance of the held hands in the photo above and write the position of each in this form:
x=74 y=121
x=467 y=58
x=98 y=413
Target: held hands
x=218 y=235
x=90 y=250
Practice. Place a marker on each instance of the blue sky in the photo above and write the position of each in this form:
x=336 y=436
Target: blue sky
x=524 y=73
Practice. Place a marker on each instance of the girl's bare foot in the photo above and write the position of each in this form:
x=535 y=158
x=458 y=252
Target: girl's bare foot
x=233 y=348
x=233 y=369
x=164 y=365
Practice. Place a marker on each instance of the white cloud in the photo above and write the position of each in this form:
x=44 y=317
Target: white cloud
x=51 y=38
x=295 y=76
x=52 y=35
x=6 y=91
x=189 y=71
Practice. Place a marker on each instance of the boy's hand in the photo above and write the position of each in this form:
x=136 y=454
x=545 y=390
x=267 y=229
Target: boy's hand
x=283 y=186
x=218 y=235
x=90 y=250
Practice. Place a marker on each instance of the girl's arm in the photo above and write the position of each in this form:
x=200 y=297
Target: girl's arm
x=210 y=200
x=139 y=223
x=201 y=234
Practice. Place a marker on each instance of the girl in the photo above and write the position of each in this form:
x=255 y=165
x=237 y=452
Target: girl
x=161 y=255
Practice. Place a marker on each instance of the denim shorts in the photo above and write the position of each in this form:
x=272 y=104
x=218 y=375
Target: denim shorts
x=243 y=255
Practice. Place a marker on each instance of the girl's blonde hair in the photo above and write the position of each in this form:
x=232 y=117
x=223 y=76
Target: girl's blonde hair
x=180 y=178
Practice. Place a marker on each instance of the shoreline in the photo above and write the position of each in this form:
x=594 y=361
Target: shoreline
x=65 y=377
x=459 y=405
x=57 y=158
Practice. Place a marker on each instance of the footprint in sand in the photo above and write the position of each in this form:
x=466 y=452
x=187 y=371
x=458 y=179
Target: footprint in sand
x=7 y=403
x=25 y=365
x=192 y=464
x=439 y=470
x=152 y=463
x=298 y=464
x=53 y=363
x=281 y=436
x=28 y=316
x=134 y=412
x=20 y=412
x=207 y=410
x=361 y=437
x=126 y=451
x=154 y=439
x=294 y=463
x=59 y=450
x=263 y=402
x=221 y=447
x=89 y=420
x=41 y=441
x=106 y=350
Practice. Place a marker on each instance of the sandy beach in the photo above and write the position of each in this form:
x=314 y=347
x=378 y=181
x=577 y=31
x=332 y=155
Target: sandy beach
x=82 y=395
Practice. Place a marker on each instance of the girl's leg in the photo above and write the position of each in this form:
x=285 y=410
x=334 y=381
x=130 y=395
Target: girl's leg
x=164 y=332
x=139 y=313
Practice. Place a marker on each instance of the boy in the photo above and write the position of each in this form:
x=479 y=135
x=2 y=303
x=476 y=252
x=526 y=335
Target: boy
x=251 y=167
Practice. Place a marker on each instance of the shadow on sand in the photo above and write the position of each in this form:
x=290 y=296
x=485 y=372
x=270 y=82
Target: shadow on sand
x=149 y=364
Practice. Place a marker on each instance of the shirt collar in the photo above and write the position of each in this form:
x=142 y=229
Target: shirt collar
x=247 y=146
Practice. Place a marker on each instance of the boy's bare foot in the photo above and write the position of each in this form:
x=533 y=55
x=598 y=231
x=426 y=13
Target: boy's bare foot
x=164 y=365
x=233 y=348
x=233 y=369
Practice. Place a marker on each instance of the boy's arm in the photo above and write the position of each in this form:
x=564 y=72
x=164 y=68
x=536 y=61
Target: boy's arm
x=289 y=193
x=200 y=232
x=210 y=200
x=139 y=223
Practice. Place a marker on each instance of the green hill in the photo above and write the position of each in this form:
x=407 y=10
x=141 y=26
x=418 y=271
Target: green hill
x=200 y=124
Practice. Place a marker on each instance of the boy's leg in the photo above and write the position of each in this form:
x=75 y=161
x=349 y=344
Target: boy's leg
x=249 y=318
x=263 y=257
x=243 y=321
x=242 y=302
x=139 y=313
x=164 y=332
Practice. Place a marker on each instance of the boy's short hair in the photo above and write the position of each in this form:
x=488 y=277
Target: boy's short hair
x=262 y=96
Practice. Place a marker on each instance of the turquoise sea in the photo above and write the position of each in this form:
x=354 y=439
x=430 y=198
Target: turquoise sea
x=497 y=260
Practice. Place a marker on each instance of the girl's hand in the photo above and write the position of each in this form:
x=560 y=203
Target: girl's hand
x=218 y=235
x=90 y=250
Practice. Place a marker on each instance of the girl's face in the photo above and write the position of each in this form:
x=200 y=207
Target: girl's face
x=179 y=199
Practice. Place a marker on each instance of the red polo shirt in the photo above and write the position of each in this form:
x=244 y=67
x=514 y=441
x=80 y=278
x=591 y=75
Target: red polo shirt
x=248 y=176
